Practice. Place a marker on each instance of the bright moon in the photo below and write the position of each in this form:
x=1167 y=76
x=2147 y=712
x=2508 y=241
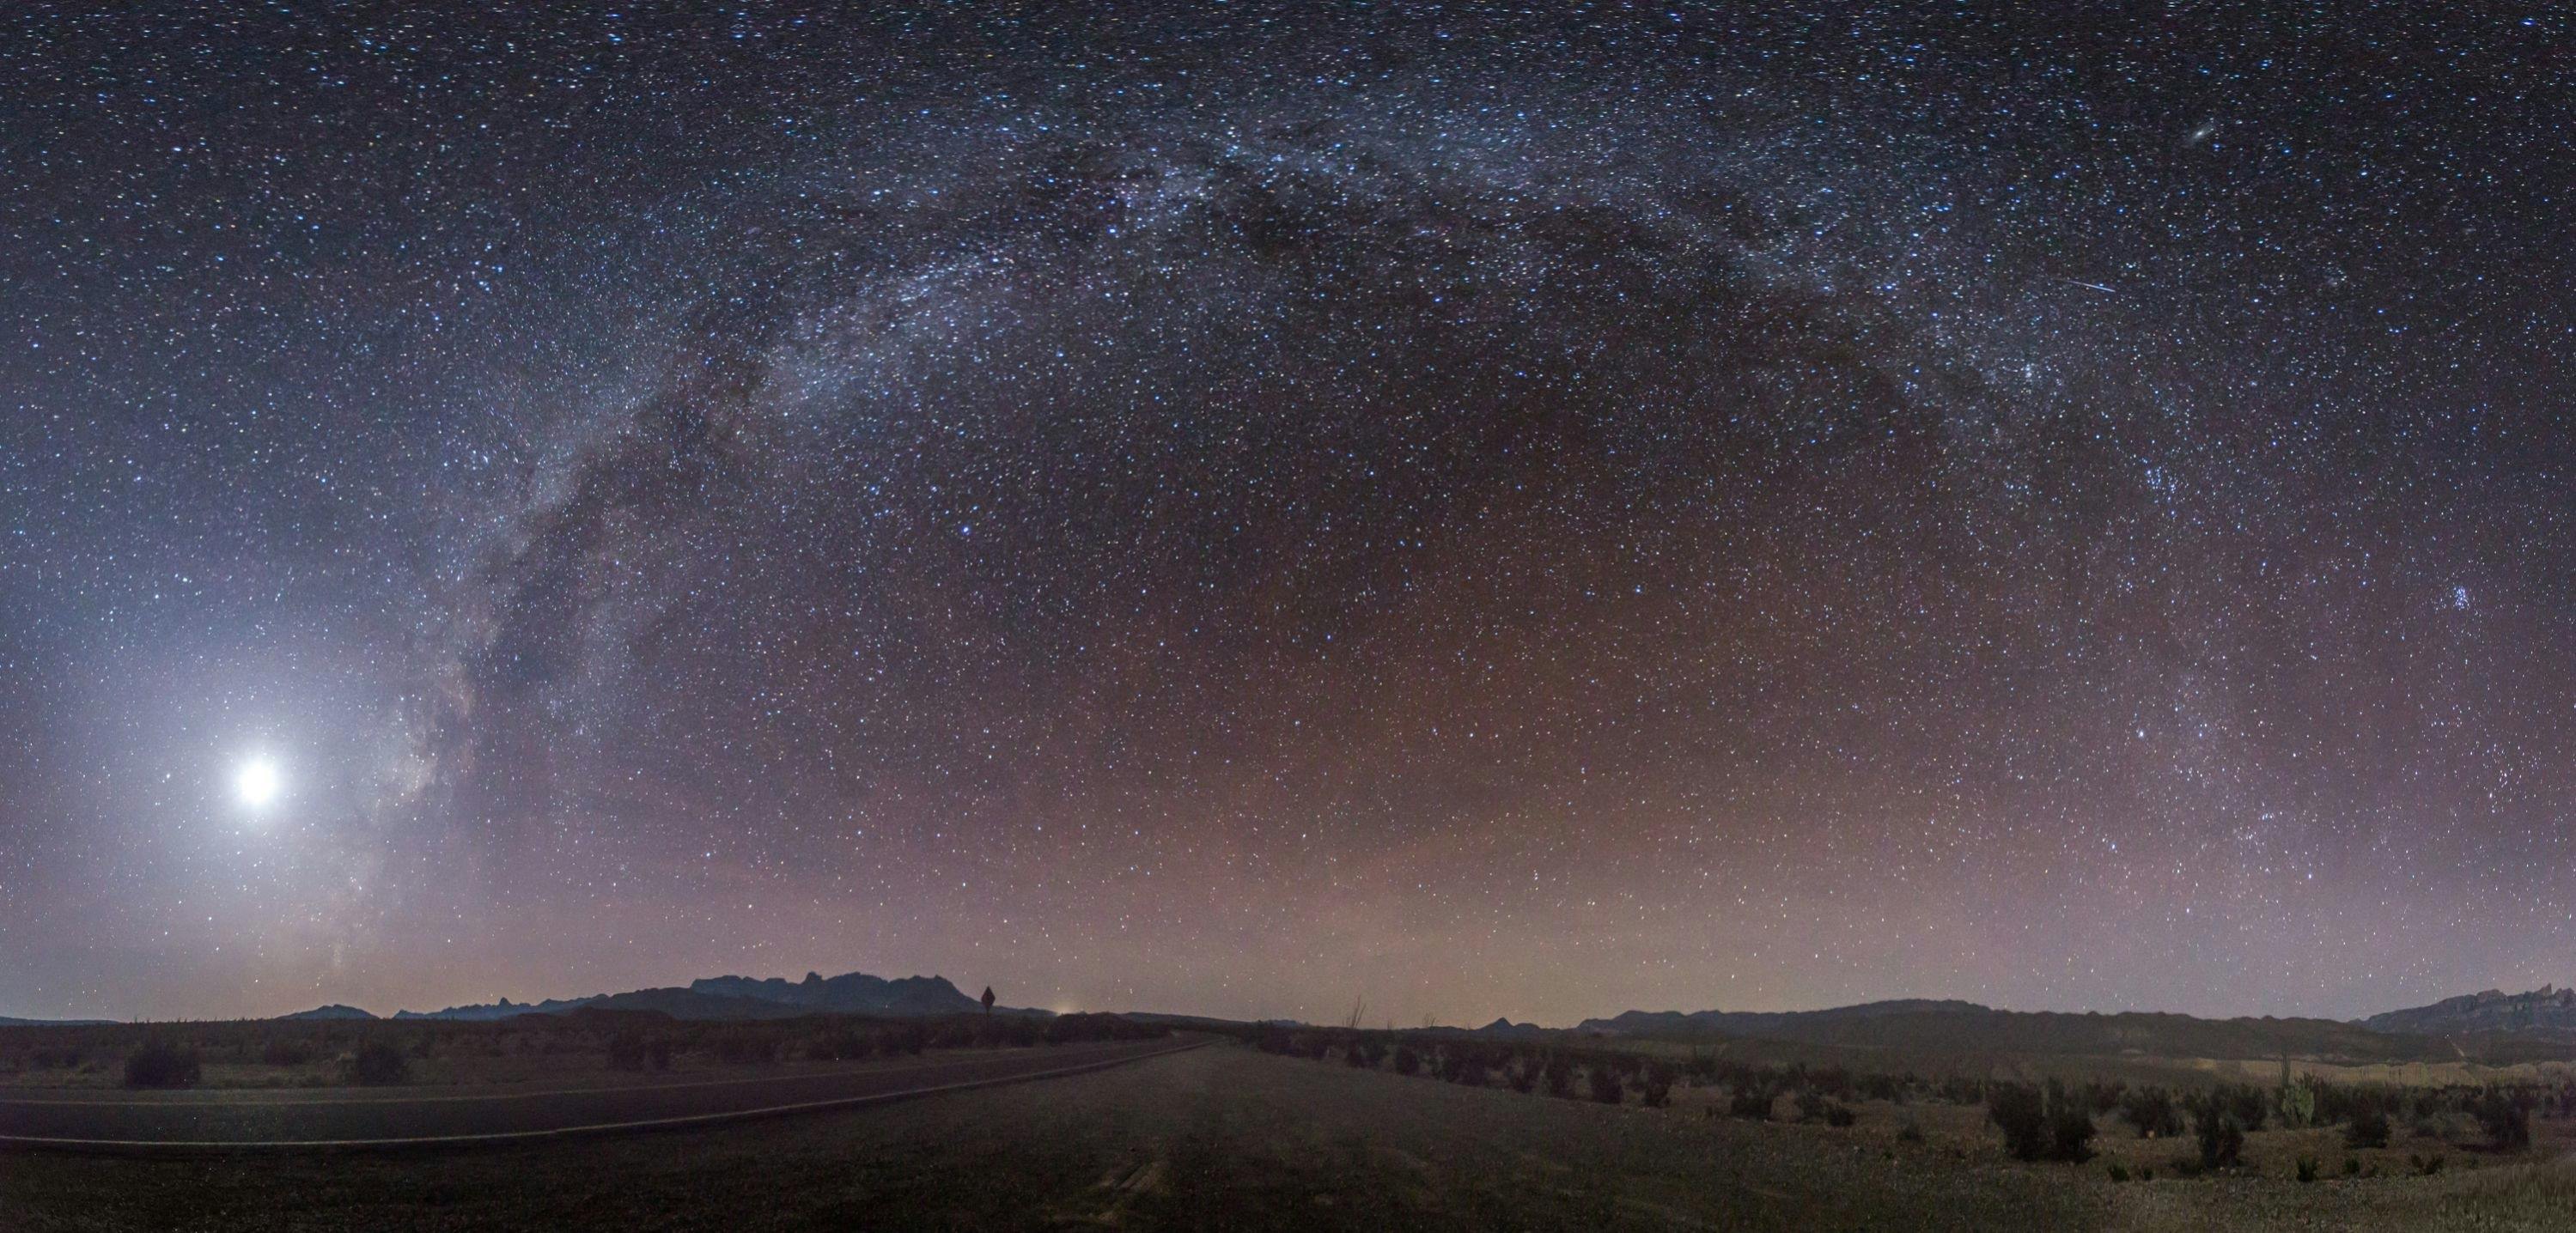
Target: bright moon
x=257 y=782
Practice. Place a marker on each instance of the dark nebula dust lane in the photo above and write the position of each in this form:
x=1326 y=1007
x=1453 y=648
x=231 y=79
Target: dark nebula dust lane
x=1236 y=509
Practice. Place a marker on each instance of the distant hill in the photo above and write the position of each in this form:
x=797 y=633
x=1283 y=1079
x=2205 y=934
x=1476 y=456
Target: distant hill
x=1505 y=1029
x=855 y=993
x=503 y=1009
x=743 y=997
x=1965 y=1027
x=1764 y=1023
x=2548 y=1011
x=5 y=1021
x=332 y=1011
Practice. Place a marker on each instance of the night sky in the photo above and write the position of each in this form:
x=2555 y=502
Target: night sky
x=1232 y=508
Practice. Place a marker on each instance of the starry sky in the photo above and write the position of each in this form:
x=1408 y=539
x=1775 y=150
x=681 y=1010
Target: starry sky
x=1235 y=508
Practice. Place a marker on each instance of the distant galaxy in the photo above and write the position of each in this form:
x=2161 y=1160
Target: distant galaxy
x=1235 y=508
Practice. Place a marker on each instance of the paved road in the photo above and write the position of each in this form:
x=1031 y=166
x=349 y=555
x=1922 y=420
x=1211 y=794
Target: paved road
x=338 y=1118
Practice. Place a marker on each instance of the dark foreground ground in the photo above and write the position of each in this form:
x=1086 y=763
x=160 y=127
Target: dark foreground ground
x=93 y=1117
x=1227 y=1138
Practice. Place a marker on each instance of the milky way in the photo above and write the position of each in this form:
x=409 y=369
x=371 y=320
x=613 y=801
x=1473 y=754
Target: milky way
x=1235 y=509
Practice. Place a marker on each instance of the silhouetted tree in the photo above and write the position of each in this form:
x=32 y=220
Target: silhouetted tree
x=286 y=1051
x=159 y=1062
x=2042 y=1123
x=2070 y=1125
x=1606 y=1084
x=379 y=1063
x=2152 y=1111
x=2506 y=1118
x=2247 y=1103
x=2222 y=1137
x=1560 y=1075
x=1658 y=1086
x=1468 y=1065
x=2022 y=1114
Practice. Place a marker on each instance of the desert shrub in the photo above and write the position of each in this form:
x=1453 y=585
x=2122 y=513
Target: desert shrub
x=2022 y=1114
x=1751 y=1101
x=2119 y=1172
x=1408 y=1061
x=1701 y=1067
x=2298 y=1104
x=2506 y=1120
x=751 y=1046
x=2369 y=1128
x=285 y=1051
x=1607 y=1087
x=2307 y=1168
x=1658 y=1086
x=158 y=1062
x=1467 y=1066
x=2245 y=1102
x=2152 y=1111
x=844 y=1045
x=2444 y=1125
x=2222 y=1137
x=379 y=1062
x=1910 y=1132
x=2352 y=1166
x=2104 y=1098
x=636 y=1051
x=1840 y=1115
x=2050 y=1123
x=2070 y=1126
x=2338 y=1102
x=1833 y=1081
x=1559 y=1075
x=1524 y=1075
x=1811 y=1104
x=2426 y=1165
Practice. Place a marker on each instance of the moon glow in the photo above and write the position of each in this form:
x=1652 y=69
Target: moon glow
x=257 y=782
